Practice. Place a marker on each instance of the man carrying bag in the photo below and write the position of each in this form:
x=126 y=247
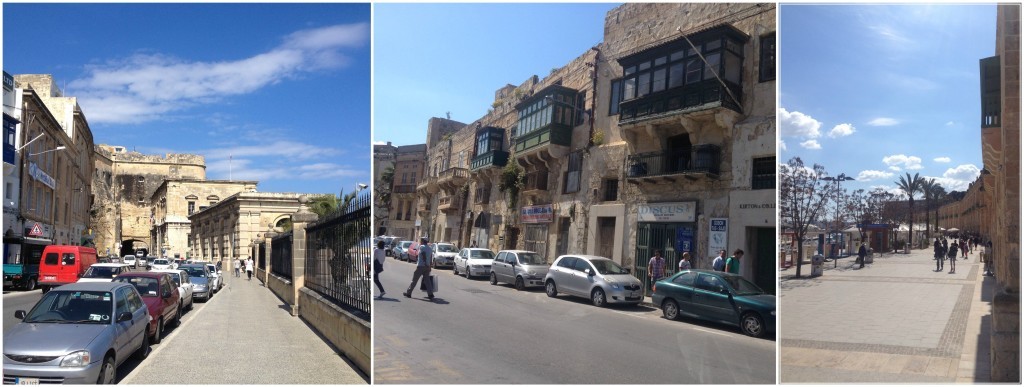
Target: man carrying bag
x=423 y=262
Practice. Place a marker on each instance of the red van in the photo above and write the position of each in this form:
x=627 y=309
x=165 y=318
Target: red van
x=61 y=265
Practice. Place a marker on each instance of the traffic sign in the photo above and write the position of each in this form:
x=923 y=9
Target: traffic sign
x=36 y=231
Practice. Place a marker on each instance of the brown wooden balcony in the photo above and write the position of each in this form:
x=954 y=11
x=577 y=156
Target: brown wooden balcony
x=449 y=203
x=423 y=207
x=452 y=178
x=703 y=161
x=404 y=189
x=482 y=196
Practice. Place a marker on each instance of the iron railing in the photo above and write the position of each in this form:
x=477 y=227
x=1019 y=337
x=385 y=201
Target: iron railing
x=338 y=251
x=261 y=255
x=281 y=255
x=402 y=189
x=703 y=159
x=537 y=180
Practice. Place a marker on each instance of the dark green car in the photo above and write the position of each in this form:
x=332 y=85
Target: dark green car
x=716 y=296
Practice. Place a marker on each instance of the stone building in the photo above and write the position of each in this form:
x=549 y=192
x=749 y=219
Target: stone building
x=54 y=168
x=226 y=230
x=969 y=213
x=662 y=136
x=383 y=158
x=409 y=162
x=175 y=199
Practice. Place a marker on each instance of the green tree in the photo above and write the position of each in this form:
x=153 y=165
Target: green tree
x=927 y=185
x=938 y=195
x=911 y=185
x=802 y=198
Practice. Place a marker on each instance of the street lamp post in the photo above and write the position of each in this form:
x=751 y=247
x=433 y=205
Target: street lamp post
x=838 y=179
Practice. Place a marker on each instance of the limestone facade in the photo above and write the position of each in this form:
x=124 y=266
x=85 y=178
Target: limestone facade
x=383 y=158
x=635 y=145
x=409 y=162
x=227 y=229
x=175 y=199
x=970 y=214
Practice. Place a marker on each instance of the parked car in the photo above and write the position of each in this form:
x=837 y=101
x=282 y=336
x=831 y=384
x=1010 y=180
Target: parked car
x=217 y=280
x=24 y=273
x=401 y=249
x=389 y=243
x=161 y=264
x=104 y=272
x=473 y=262
x=183 y=282
x=77 y=334
x=444 y=254
x=600 y=279
x=412 y=252
x=716 y=296
x=143 y=262
x=63 y=264
x=131 y=260
x=161 y=297
x=522 y=268
x=200 y=277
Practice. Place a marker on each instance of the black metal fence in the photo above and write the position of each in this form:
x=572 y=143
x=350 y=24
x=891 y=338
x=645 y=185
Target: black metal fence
x=704 y=158
x=281 y=255
x=261 y=255
x=338 y=257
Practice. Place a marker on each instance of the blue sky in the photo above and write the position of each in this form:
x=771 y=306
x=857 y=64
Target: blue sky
x=430 y=59
x=281 y=89
x=876 y=91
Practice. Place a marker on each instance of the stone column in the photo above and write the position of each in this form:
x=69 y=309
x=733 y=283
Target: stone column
x=300 y=220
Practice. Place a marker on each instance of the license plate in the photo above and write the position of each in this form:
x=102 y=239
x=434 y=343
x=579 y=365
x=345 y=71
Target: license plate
x=26 y=380
x=50 y=278
x=633 y=295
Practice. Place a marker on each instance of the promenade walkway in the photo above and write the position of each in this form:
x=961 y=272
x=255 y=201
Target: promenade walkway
x=897 y=320
x=244 y=335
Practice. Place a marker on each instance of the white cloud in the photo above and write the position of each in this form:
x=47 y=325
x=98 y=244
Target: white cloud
x=281 y=148
x=797 y=124
x=811 y=144
x=148 y=87
x=380 y=143
x=958 y=178
x=950 y=123
x=908 y=162
x=782 y=145
x=842 y=130
x=883 y=121
x=895 y=168
x=942 y=159
x=890 y=189
x=891 y=34
x=870 y=175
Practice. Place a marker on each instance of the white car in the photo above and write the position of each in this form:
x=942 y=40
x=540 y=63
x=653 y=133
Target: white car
x=184 y=282
x=130 y=260
x=104 y=272
x=473 y=262
x=142 y=262
x=217 y=281
x=162 y=264
x=444 y=254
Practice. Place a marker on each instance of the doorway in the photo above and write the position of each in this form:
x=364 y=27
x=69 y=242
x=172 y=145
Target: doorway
x=764 y=258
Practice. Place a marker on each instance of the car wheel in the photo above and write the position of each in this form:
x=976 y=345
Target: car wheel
x=45 y=288
x=597 y=296
x=107 y=371
x=159 y=331
x=519 y=283
x=31 y=284
x=177 y=318
x=671 y=309
x=494 y=279
x=752 y=325
x=551 y=289
x=455 y=270
x=191 y=303
x=143 y=352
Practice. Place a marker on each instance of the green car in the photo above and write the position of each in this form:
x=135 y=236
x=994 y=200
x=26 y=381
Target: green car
x=716 y=296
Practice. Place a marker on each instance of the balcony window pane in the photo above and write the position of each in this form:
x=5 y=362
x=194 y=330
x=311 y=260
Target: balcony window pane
x=660 y=60
x=675 y=75
x=691 y=52
x=644 y=66
x=713 y=63
x=629 y=89
x=693 y=67
x=713 y=45
x=643 y=84
x=616 y=97
x=629 y=70
x=659 y=80
x=732 y=67
x=676 y=56
x=734 y=46
x=547 y=116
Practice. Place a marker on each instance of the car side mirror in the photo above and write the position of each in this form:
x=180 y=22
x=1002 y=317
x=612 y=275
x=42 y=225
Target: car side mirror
x=124 y=316
x=167 y=294
x=589 y=272
x=723 y=290
x=513 y=263
x=19 y=314
x=627 y=270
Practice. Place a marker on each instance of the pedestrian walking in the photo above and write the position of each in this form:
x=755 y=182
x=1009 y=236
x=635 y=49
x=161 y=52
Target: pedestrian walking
x=952 y=257
x=862 y=253
x=732 y=264
x=719 y=263
x=684 y=262
x=423 y=263
x=963 y=248
x=939 y=255
x=238 y=267
x=378 y=266
x=248 y=268
x=656 y=267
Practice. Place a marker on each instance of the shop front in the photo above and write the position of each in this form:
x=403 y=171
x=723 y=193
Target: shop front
x=670 y=227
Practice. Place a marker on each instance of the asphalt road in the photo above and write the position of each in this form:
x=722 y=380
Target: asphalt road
x=24 y=300
x=473 y=332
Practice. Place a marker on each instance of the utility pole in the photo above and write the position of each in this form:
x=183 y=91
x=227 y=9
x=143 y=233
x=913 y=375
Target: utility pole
x=838 y=179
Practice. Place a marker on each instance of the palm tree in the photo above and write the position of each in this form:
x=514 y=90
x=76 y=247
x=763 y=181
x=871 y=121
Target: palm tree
x=938 y=194
x=927 y=185
x=911 y=185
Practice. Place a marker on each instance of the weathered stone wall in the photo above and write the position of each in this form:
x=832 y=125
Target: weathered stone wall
x=170 y=208
x=349 y=334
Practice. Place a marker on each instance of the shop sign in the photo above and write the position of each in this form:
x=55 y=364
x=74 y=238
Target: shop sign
x=41 y=176
x=684 y=239
x=718 y=235
x=667 y=212
x=537 y=214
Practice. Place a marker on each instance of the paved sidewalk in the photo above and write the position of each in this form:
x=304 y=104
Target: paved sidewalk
x=244 y=335
x=897 y=320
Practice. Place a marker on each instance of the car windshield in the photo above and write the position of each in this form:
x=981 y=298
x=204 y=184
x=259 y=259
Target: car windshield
x=445 y=248
x=195 y=271
x=531 y=259
x=101 y=272
x=176 y=277
x=742 y=286
x=147 y=287
x=605 y=266
x=481 y=254
x=405 y=245
x=159 y=261
x=72 y=307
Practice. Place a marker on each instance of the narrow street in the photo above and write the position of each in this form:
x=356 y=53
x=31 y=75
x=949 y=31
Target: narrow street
x=474 y=332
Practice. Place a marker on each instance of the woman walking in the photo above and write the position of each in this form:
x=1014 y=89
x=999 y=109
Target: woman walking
x=952 y=257
x=248 y=268
x=939 y=255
